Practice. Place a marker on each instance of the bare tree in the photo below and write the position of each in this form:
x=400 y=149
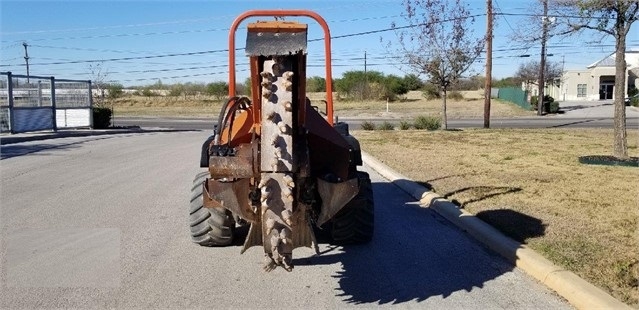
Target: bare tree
x=98 y=76
x=438 y=42
x=528 y=73
x=609 y=17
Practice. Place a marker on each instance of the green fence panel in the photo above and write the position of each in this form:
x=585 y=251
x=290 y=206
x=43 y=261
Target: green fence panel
x=516 y=96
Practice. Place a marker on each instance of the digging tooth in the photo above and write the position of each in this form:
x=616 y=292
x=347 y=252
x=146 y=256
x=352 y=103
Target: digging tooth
x=275 y=240
x=266 y=93
x=288 y=75
x=288 y=85
x=282 y=126
x=270 y=223
x=262 y=183
x=284 y=236
x=287 y=217
x=266 y=193
x=266 y=75
x=289 y=181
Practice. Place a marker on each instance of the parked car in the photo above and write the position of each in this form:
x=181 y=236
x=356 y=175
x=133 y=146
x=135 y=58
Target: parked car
x=631 y=98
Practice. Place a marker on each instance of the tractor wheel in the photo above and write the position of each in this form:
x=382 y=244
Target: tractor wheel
x=354 y=224
x=209 y=227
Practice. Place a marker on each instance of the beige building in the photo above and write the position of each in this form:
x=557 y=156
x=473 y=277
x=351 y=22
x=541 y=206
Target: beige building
x=597 y=81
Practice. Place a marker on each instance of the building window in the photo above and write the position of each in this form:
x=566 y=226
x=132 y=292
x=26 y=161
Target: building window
x=581 y=90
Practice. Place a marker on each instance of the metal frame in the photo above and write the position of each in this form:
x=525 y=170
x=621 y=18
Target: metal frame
x=279 y=13
x=53 y=107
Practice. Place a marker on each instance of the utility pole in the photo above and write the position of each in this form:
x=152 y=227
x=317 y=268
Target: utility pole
x=542 y=65
x=26 y=58
x=365 y=78
x=489 y=62
x=364 y=63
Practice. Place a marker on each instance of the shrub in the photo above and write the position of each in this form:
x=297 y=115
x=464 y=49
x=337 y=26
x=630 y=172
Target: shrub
x=455 y=95
x=386 y=126
x=101 y=117
x=430 y=92
x=548 y=107
x=366 y=125
x=427 y=122
x=405 y=125
x=554 y=107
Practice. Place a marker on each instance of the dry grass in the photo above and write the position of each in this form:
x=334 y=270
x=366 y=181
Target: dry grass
x=412 y=105
x=585 y=215
x=192 y=106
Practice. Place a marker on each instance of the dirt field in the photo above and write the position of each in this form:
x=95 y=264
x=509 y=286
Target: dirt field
x=530 y=185
x=413 y=104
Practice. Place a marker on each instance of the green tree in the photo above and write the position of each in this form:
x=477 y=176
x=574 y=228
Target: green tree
x=114 y=90
x=176 y=90
x=413 y=82
x=613 y=18
x=315 y=84
x=218 y=90
x=394 y=85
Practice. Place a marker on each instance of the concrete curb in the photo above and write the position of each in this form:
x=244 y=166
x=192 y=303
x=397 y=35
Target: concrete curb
x=576 y=290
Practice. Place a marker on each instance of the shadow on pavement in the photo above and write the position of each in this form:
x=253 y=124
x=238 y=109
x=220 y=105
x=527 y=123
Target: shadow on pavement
x=12 y=146
x=14 y=150
x=415 y=254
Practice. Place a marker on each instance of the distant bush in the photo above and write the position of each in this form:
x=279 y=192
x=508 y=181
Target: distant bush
x=101 y=117
x=430 y=91
x=427 y=122
x=550 y=106
x=147 y=92
x=386 y=126
x=554 y=107
x=405 y=125
x=366 y=125
x=455 y=95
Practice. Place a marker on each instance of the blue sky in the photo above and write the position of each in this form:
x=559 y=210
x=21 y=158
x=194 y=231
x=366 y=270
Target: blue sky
x=64 y=37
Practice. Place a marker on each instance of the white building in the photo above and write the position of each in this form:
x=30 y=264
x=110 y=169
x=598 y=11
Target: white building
x=597 y=81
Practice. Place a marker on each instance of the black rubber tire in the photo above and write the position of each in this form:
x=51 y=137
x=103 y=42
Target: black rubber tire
x=355 y=223
x=209 y=227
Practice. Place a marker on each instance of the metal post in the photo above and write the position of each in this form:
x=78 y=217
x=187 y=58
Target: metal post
x=10 y=97
x=542 y=65
x=39 y=93
x=26 y=58
x=53 y=110
x=90 y=105
x=489 y=63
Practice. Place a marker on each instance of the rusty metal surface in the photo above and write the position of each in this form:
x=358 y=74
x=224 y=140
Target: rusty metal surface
x=230 y=195
x=230 y=167
x=334 y=197
x=242 y=165
x=323 y=140
x=277 y=26
x=269 y=43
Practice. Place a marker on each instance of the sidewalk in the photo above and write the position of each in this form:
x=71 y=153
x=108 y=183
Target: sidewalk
x=592 y=109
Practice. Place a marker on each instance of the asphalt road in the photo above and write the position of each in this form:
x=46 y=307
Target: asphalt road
x=101 y=221
x=539 y=122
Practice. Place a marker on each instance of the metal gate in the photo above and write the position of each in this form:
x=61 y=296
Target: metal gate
x=33 y=103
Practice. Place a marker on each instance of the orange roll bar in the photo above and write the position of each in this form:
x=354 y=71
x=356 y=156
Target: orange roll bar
x=327 y=49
